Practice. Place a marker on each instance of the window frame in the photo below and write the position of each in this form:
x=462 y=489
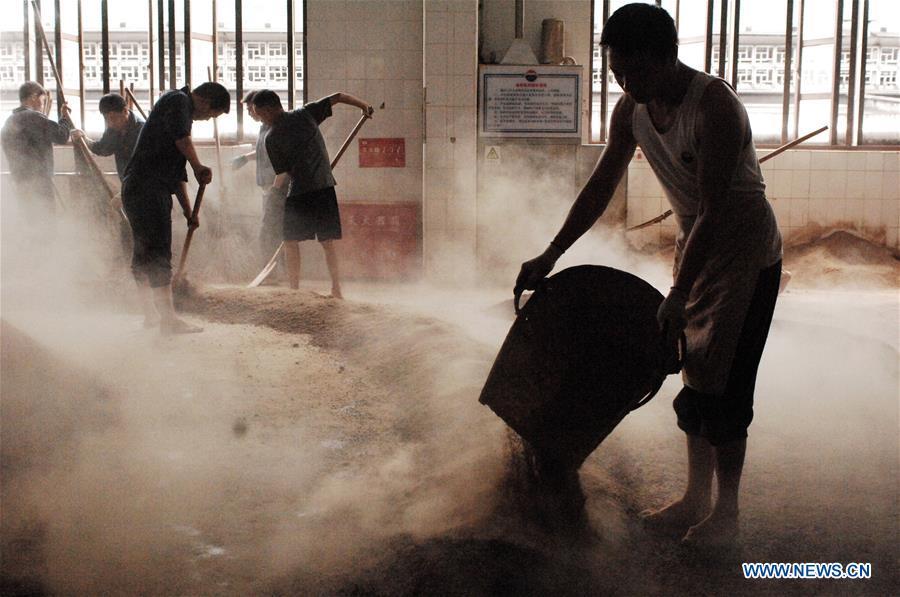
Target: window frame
x=854 y=65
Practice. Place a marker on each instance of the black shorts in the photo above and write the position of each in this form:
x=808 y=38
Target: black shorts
x=312 y=215
x=149 y=211
x=725 y=418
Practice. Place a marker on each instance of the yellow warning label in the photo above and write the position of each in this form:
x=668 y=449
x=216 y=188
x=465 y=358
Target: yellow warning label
x=493 y=153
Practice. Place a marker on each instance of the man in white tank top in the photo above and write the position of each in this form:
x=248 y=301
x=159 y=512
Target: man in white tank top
x=696 y=136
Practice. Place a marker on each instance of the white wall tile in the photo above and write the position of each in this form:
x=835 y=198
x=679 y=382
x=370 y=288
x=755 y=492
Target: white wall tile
x=856 y=160
x=799 y=211
x=836 y=184
x=890 y=185
x=872 y=214
x=465 y=28
x=800 y=183
x=819 y=160
x=437 y=91
x=376 y=67
x=356 y=64
x=856 y=184
x=855 y=211
x=436 y=57
x=437 y=27
x=874 y=161
x=800 y=160
x=412 y=94
x=890 y=212
x=892 y=161
x=818 y=185
x=872 y=185
x=817 y=211
x=436 y=122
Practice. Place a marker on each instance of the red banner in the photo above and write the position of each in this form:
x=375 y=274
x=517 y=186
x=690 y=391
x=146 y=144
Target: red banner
x=382 y=153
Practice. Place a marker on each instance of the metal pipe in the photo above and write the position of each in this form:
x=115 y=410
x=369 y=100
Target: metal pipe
x=836 y=69
x=57 y=41
x=723 y=37
x=799 y=68
x=81 y=94
x=863 y=51
x=290 y=53
x=38 y=51
x=150 y=50
x=239 y=62
x=788 y=75
x=187 y=42
x=707 y=49
x=520 y=19
x=173 y=71
x=161 y=45
x=736 y=43
x=851 y=85
x=104 y=44
x=26 y=40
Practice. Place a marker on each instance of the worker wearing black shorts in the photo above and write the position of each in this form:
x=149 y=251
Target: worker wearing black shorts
x=297 y=151
x=155 y=172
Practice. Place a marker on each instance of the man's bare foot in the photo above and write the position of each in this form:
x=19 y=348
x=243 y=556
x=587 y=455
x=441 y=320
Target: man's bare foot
x=336 y=293
x=717 y=529
x=178 y=326
x=675 y=518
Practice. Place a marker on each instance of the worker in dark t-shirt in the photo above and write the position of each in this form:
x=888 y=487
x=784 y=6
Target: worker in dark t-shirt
x=156 y=171
x=121 y=134
x=297 y=151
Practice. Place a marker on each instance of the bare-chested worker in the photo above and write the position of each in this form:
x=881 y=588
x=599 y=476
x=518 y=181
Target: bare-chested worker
x=696 y=135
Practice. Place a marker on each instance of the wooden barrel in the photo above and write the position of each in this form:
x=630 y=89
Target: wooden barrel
x=583 y=352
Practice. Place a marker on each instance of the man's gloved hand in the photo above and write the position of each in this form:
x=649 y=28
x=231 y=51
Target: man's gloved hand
x=671 y=316
x=239 y=162
x=535 y=270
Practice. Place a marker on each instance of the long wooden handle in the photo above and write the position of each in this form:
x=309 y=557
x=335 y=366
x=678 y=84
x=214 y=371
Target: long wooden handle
x=763 y=159
x=40 y=29
x=791 y=144
x=130 y=95
x=346 y=144
x=190 y=234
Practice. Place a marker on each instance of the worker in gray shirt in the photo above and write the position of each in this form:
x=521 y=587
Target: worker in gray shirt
x=297 y=150
x=28 y=138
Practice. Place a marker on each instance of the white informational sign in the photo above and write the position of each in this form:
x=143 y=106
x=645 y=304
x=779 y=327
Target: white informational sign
x=530 y=101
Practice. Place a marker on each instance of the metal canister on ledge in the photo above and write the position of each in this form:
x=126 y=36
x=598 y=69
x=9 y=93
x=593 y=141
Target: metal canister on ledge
x=553 y=41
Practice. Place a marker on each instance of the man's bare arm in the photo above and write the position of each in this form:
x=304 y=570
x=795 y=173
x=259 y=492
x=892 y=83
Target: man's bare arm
x=722 y=134
x=593 y=198
x=351 y=100
x=600 y=187
x=186 y=146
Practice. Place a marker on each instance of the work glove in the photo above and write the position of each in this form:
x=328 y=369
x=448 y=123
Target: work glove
x=239 y=162
x=671 y=316
x=533 y=271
